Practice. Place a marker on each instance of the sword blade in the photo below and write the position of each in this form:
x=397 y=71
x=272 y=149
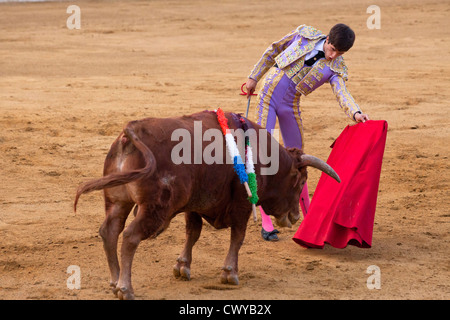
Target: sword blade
x=248 y=106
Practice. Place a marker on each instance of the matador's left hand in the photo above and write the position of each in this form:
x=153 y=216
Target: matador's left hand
x=361 y=117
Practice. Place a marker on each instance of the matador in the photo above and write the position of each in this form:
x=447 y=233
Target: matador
x=297 y=65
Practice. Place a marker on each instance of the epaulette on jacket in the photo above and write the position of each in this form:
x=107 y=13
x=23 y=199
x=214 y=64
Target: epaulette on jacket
x=338 y=65
x=310 y=32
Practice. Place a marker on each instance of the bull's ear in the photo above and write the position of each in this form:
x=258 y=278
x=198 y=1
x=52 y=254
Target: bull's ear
x=296 y=155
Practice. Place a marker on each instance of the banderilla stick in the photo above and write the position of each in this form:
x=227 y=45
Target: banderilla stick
x=249 y=193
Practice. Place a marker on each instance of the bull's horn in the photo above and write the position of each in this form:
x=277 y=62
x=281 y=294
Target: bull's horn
x=308 y=160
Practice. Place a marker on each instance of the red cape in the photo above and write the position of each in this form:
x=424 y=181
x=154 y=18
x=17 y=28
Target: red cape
x=343 y=213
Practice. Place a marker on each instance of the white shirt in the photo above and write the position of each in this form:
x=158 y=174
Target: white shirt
x=317 y=47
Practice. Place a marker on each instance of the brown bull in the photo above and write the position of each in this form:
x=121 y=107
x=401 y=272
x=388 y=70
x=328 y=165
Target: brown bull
x=139 y=171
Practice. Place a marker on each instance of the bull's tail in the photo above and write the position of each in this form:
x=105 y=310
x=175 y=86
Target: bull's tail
x=117 y=179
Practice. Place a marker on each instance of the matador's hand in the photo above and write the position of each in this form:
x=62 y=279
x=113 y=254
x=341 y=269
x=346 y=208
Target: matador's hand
x=251 y=86
x=361 y=117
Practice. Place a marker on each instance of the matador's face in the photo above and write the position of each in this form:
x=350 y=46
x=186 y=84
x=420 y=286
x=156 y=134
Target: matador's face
x=330 y=51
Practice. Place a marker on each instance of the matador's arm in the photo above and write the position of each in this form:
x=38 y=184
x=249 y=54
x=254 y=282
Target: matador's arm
x=345 y=99
x=268 y=58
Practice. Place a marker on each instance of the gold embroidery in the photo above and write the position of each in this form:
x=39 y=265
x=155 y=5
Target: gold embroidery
x=284 y=57
x=316 y=72
x=265 y=95
x=292 y=54
x=294 y=68
x=309 y=32
x=338 y=66
x=299 y=76
x=268 y=57
x=307 y=82
x=344 y=97
x=297 y=115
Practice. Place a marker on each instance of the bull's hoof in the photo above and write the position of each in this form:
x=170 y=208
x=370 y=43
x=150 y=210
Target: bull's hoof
x=125 y=294
x=113 y=287
x=182 y=272
x=228 y=276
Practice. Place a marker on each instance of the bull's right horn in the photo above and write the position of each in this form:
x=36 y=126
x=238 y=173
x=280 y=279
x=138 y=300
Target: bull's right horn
x=308 y=160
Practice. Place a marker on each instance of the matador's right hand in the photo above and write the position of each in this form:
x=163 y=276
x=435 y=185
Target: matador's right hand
x=251 y=86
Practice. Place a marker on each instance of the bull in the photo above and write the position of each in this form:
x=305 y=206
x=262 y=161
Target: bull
x=139 y=173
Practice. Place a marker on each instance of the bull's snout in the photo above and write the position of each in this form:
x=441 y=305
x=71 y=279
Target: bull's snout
x=288 y=219
x=294 y=216
x=283 y=222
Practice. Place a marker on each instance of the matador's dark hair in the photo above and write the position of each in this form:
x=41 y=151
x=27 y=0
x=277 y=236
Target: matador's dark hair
x=341 y=37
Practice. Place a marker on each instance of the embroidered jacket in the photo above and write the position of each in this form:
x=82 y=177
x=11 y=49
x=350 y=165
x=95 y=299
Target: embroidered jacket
x=289 y=55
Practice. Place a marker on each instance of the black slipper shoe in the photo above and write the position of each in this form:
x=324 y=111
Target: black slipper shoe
x=270 y=236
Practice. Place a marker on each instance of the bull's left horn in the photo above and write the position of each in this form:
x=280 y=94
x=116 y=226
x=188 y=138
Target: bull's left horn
x=308 y=160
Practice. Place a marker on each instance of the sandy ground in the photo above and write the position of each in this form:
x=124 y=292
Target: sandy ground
x=66 y=94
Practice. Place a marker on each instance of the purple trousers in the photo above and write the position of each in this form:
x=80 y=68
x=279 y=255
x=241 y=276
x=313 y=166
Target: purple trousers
x=279 y=98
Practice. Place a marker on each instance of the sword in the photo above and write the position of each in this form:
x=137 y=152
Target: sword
x=243 y=93
x=248 y=106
